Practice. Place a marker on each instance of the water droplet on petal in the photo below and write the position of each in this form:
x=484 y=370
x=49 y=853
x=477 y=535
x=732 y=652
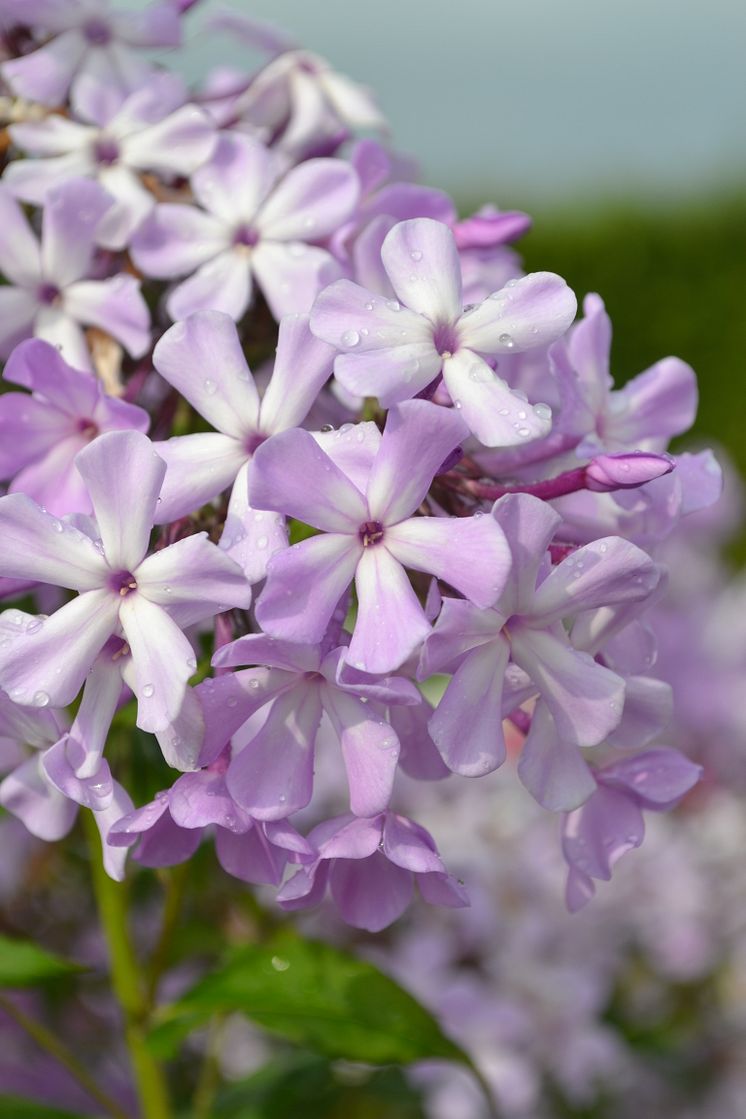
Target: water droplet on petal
x=350 y=338
x=148 y=691
x=210 y=387
x=393 y=305
x=41 y=699
x=543 y=411
x=416 y=254
x=507 y=341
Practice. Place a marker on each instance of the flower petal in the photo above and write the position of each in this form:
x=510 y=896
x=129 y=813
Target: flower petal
x=199 y=467
x=46 y=664
x=124 y=476
x=370 y=750
x=466 y=726
x=193 y=572
x=417 y=440
x=390 y=621
x=71 y=215
x=222 y=283
x=527 y=313
x=303 y=364
x=272 y=776
x=20 y=259
x=497 y=416
x=175 y=239
x=552 y=769
x=39 y=547
x=304 y=585
x=162 y=660
x=291 y=474
x=251 y=536
x=603 y=573
x=422 y=262
x=469 y=553
x=115 y=306
x=312 y=201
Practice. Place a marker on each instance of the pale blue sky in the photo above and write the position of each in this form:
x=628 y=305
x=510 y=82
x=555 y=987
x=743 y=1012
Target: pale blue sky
x=539 y=101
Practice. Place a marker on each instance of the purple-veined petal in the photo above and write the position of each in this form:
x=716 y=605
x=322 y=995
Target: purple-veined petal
x=199 y=467
x=162 y=660
x=302 y=366
x=228 y=701
x=124 y=476
x=203 y=359
x=422 y=262
x=390 y=621
x=584 y=698
x=193 y=571
x=47 y=663
x=603 y=573
x=530 y=312
x=490 y=408
x=310 y=202
x=304 y=585
x=178 y=144
x=393 y=375
x=222 y=283
x=251 y=536
x=417 y=440
x=37 y=546
x=370 y=750
x=351 y=318
x=291 y=474
x=552 y=769
x=175 y=239
x=272 y=776
x=466 y=726
x=471 y=553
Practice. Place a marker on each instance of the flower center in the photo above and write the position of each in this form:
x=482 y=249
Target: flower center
x=445 y=339
x=371 y=533
x=106 y=151
x=254 y=440
x=88 y=429
x=123 y=582
x=97 y=32
x=48 y=293
x=245 y=236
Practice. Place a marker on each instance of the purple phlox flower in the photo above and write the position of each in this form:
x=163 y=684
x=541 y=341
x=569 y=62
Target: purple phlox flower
x=396 y=350
x=524 y=636
x=610 y=823
x=113 y=139
x=649 y=513
x=170 y=829
x=49 y=295
x=202 y=357
x=272 y=774
x=31 y=791
x=89 y=38
x=371 y=867
x=643 y=415
x=148 y=599
x=370 y=534
x=254 y=225
x=41 y=434
x=489 y=228
x=304 y=105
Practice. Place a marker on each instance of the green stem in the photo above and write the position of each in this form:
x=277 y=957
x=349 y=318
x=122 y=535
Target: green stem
x=48 y=1041
x=127 y=981
x=175 y=884
x=209 y=1076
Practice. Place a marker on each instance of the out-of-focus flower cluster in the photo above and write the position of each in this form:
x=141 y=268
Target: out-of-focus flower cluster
x=298 y=462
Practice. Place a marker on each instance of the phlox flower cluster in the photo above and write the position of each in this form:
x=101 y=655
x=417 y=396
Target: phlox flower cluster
x=299 y=464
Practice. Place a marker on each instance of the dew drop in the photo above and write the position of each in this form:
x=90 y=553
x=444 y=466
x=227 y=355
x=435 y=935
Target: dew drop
x=543 y=411
x=350 y=338
x=416 y=254
x=393 y=305
x=369 y=306
x=507 y=341
x=191 y=662
x=148 y=691
x=262 y=543
x=210 y=387
x=41 y=699
x=279 y=964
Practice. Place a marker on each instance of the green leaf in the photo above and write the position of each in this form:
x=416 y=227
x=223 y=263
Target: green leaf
x=313 y=995
x=311 y=1086
x=13 y=1107
x=24 y=964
